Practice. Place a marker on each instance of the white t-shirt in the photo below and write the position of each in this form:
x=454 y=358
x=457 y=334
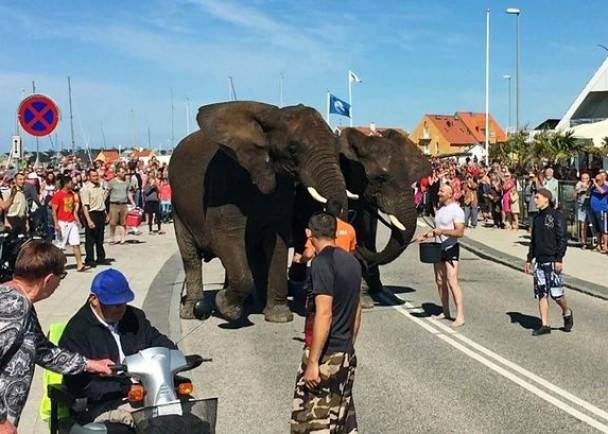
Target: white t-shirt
x=445 y=218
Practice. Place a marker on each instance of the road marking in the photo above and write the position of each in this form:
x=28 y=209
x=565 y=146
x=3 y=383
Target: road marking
x=529 y=387
x=422 y=224
x=406 y=310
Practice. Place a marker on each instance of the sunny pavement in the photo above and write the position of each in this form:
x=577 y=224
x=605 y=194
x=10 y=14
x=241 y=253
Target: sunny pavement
x=415 y=374
x=586 y=265
x=139 y=259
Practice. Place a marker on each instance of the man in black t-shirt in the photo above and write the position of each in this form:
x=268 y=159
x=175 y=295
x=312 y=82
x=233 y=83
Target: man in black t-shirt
x=323 y=394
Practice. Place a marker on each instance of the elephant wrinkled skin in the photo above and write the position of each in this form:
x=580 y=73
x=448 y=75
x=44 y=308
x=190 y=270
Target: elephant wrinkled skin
x=234 y=185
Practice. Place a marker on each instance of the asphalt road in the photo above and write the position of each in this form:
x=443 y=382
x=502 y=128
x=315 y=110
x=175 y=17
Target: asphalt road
x=415 y=374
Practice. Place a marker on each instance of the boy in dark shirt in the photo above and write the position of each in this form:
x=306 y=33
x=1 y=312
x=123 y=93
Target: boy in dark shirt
x=548 y=247
x=323 y=394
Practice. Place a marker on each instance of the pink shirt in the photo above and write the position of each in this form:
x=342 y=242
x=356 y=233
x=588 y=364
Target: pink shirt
x=165 y=191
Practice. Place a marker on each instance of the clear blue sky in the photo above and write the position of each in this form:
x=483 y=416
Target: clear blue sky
x=414 y=57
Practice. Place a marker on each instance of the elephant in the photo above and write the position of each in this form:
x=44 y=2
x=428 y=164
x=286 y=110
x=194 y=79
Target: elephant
x=234 y=185
x=379 y=172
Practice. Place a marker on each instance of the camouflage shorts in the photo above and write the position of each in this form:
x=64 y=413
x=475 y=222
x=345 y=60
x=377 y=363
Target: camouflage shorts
x=329 y=408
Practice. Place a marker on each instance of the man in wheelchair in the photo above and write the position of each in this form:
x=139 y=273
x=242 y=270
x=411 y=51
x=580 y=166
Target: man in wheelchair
x=107 y=327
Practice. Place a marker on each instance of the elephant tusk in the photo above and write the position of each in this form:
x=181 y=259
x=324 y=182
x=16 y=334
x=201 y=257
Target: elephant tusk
x=395 y=221
x=352 y=196
x=315 y=195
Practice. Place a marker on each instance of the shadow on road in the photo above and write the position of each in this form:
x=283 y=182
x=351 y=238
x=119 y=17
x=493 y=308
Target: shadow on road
x=429 y=309
x=528 y=322
x=399 y=289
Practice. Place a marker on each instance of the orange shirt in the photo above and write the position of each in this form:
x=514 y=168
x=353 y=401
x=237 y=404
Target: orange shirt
x=346 y=238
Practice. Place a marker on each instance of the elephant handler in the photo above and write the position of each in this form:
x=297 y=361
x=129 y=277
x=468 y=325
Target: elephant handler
x=346 y=238
x=106 y=326
x=323 y=400
x=39 y=269
x=450 y=223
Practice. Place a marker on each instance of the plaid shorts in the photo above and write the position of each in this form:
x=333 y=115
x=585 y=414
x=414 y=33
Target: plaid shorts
x=547 y=281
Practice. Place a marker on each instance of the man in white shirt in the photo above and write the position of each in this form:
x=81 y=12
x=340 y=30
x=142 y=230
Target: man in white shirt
x=449 y=222
x=551 y=184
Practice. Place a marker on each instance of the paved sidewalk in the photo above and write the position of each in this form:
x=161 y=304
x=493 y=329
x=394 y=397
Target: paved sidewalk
x=585 y=270
x=140 y=260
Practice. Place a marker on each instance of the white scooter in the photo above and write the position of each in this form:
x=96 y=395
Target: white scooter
x=163 y=401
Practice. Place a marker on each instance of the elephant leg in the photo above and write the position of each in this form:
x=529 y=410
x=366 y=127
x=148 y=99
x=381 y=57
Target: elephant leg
x=192 y=267
x=277 y=309
x=229 y=300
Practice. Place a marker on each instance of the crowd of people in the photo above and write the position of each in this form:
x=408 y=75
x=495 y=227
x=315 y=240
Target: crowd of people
x=58 y=202
x=495 y=196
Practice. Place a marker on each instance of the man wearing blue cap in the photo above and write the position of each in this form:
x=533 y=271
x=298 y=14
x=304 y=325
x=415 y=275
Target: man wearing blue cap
x=108 y=325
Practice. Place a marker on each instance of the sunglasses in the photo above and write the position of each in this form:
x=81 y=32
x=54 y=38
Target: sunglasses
x=62 y=275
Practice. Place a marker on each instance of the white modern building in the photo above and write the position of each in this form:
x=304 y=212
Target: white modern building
x=587 y=117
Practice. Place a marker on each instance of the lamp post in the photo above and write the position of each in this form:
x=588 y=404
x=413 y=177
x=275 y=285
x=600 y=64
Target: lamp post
x=516 y=12
x=508 y=78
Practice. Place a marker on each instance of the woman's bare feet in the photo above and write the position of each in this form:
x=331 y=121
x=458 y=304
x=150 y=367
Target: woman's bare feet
x=457 y=323
x=442 y=315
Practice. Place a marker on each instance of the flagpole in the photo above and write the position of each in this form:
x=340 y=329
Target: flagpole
x=487 y=87
x=350 y=97
x=328 y=109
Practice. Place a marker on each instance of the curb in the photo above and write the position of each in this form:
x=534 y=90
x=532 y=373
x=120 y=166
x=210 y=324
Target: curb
x=161 y=304
x=488 y=253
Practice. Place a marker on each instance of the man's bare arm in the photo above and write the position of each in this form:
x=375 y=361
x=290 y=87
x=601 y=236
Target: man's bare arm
x=357 y=322
x=321 y=326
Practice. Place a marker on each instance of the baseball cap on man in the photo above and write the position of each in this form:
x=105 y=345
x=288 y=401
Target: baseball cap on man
x=111 y=287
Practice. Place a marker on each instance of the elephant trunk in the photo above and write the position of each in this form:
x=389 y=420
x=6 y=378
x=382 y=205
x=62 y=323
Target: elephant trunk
x=405 y=213
x=324 y=179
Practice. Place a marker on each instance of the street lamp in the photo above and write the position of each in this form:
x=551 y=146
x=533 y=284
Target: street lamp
x=508 y=78
x=516 y=12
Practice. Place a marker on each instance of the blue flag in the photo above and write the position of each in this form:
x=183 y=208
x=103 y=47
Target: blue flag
x=339 y=107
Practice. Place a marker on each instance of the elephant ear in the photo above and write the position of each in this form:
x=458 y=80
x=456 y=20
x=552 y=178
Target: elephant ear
x=415 y=161
x=354 y=144
x=236 y=124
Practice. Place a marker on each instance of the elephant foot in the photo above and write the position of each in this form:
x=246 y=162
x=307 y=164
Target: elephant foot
x=278 y=313
x=186 y=309
x=230 y=310
x=367 y=302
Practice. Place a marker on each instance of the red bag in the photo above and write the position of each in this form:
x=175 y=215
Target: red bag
x=134 y=217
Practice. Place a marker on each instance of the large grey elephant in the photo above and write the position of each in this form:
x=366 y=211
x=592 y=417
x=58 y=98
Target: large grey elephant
x=233 y=191
x=381 y=171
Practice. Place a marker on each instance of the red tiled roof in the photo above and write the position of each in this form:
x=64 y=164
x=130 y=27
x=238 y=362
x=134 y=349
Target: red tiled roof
x=476 y=123
x=453 y=129
x=143 y=154
x=109 y=155
x=368 y=131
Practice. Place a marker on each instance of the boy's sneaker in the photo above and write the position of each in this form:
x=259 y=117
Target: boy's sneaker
x=568 y=321
x=544 y=330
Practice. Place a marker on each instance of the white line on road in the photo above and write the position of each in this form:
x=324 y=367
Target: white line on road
x=406 y=310
x=529 y=387
x=422 y=224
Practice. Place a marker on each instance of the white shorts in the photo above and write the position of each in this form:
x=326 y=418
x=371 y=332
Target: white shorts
x=70 y=234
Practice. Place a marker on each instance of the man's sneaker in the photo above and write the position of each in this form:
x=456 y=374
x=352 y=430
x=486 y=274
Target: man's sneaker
x=544 y=330
x=568 y=321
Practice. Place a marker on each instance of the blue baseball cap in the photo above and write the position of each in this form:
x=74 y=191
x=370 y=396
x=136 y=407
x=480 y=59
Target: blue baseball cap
x=111 y=287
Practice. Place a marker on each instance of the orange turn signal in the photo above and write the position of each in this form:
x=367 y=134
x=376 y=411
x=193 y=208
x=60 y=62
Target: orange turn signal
x=136 y=393
x=185 y=389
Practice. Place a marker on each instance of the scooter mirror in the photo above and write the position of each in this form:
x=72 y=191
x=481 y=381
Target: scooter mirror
x=193 y=361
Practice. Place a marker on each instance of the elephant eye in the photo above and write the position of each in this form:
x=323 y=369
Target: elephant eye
x=381 y=178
